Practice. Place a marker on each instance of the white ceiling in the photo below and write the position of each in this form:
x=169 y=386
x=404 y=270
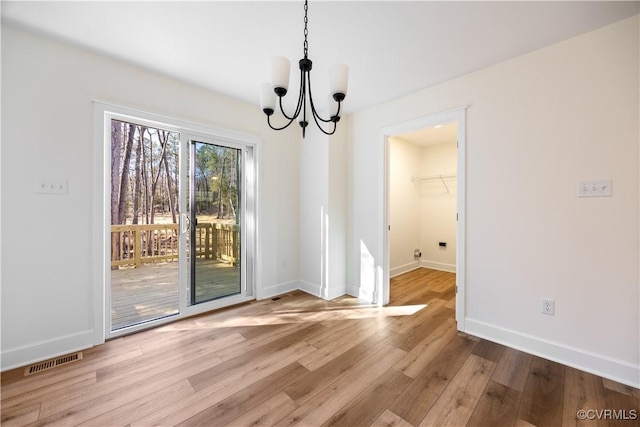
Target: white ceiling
x=440 y=134
x=392 y=47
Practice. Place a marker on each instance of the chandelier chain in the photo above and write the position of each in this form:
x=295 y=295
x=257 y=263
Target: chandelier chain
x=306 y=31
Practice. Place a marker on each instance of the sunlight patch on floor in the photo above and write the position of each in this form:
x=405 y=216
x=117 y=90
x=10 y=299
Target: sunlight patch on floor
x=301 y=316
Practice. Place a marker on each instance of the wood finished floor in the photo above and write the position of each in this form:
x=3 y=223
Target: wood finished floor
x=304 y=361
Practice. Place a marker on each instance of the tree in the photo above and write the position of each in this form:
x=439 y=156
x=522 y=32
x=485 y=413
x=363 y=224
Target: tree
x=138 y=175
x=116 y=147
x=220 y=184
x=145 y=175
x=205 y=161
x=163 y=140
x=116 y=144
x=169 y=186
x=124 y=179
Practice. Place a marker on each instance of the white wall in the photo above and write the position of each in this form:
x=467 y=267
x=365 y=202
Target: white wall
x=47 y=130
x=438 y=206
x=322 y=213
x=536 y=125
x=337 y=219
x=404 y=205
x=314 y=203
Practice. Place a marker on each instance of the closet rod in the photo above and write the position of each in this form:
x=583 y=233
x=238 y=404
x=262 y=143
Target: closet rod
x=435 y=177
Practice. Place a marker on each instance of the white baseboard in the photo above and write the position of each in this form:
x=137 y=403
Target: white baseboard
x=352 y=290
x=396 y=271
x=606 y=367
x=23 y=356
x=451 y=268
x=315 y=290
x=310 y=288
x=279 y=289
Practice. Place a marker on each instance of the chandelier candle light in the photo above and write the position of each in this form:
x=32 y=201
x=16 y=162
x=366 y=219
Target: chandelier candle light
x=280 y=68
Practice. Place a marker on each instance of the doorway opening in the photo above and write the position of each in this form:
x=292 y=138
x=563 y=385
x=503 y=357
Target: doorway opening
x=424 y=201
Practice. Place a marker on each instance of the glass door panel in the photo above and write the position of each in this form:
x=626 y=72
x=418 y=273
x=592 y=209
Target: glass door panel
x=215 y=220
x=145 y=256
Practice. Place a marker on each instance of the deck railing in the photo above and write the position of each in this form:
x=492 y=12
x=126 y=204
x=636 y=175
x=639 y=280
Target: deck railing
x=148 y=243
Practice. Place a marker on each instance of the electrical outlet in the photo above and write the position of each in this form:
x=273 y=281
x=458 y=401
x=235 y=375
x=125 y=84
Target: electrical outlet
x=548 y=306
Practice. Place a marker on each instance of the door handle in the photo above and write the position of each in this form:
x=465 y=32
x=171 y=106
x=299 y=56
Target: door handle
x=186 y=223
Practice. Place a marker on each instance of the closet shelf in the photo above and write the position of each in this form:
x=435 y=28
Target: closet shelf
x=441 y=177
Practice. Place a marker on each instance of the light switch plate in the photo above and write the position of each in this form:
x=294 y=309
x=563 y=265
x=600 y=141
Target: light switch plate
x=598 y=188
x=51 y=186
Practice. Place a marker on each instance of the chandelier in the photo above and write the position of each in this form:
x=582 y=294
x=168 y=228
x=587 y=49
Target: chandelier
x=280 y=68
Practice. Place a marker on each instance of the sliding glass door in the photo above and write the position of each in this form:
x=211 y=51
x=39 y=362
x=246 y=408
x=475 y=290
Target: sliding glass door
x=182 y=224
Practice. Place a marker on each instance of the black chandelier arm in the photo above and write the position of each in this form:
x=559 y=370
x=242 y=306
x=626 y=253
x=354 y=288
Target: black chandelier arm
x=318 y=119
x=316 y=116
x=337 y=112
x=278 y=128
x=300 y=101
x=320 y=126
x=292 y=118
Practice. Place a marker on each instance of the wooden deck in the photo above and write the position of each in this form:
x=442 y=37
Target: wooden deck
x=151 y=291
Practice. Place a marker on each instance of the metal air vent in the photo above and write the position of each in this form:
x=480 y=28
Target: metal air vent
x=52 y=363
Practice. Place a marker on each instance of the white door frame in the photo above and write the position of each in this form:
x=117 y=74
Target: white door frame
x=103 y=113
x=453 y=116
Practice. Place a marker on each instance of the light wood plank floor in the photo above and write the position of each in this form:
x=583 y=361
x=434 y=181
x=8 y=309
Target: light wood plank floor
x=303 y=361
